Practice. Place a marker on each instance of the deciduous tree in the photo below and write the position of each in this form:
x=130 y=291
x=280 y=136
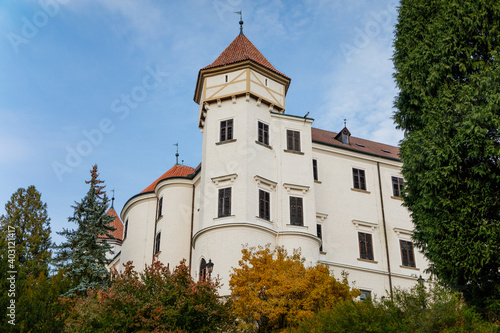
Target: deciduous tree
x=272 y=289
x=447 y=61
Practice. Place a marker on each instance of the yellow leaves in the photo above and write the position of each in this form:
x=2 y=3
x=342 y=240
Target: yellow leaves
x=273 y=289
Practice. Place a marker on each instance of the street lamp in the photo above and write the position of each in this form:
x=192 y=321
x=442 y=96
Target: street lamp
x=421 y=280
x=210 y=268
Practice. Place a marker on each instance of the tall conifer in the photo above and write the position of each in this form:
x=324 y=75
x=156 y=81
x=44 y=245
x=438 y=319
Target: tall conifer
x=83 y=254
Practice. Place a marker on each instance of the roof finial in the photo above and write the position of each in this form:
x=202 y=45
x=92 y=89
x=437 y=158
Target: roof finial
x=177 y=154
x=113 y=199
x=345 y=122
x=241 y=22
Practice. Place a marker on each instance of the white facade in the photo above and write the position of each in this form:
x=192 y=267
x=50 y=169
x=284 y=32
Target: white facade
x=250 y=187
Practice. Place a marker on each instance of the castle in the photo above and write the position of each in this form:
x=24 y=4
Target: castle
x=268 y=177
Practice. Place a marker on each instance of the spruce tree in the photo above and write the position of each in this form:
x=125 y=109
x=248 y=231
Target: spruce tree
x=447 y=62
x=83 y=254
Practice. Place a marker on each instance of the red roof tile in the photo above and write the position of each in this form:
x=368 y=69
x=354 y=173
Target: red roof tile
x=356 y=144
x=242 y=49
x=117 y=224
x=175 y=171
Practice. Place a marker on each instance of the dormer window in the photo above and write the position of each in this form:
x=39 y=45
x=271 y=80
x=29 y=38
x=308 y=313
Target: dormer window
x=344 y=136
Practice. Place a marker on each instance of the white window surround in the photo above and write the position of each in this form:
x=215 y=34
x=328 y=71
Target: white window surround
x=364 y=226
x=320 y=217
x=225 y=180
x=265 y=184
x=296 y=188
x=403 y=234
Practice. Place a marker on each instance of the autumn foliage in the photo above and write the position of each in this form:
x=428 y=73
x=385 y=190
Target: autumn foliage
x=272 y=290
x=155 y=300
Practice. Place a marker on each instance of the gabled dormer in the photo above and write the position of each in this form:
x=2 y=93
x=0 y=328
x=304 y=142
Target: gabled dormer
x=241 y=70
x=344 y=136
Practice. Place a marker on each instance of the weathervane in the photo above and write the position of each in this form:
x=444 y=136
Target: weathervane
x=345 y=122
x=113 y=199
x=241 y=22
x=177 y=154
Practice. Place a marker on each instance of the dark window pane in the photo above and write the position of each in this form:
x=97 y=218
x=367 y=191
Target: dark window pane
x=365 y=246
x=315 y=169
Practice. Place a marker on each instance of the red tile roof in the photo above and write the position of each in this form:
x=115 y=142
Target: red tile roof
x=356 y=144
x=175 y=171
x=117 y=224
x=242 y=49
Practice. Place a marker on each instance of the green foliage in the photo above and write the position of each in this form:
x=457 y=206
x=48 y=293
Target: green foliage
x=27 y=216
x=83 y=254
x=40 y=307
x=156 y=300
x=272 y=290
x=415 y=310
x=448 y=72
x=24 y=253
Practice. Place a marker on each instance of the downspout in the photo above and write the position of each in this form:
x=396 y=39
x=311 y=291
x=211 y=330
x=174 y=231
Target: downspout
x=385 y=228
x=191 y=239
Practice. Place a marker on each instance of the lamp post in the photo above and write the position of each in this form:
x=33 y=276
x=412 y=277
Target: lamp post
x=210 y=268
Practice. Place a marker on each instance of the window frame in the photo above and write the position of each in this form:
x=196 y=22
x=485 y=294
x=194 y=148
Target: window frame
x=359 y=179
x=293 y=140
x=397 y=186
x=159 y=213
x=157 y=243
x=264 y=205
x=296 y=211
x=319 y=234
x=226 y=130
x=315 y=169
x=408 y=253
x=263 y=133
x=365 y=242
x=224 y=202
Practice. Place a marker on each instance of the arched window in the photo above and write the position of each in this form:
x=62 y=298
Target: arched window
x=203 y=270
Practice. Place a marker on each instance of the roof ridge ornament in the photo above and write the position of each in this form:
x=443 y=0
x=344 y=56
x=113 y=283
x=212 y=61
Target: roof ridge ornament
x=177 y=154
x=241 y=22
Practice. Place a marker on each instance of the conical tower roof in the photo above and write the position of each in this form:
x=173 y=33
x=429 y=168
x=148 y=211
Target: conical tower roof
x=117 y=224
x=242 y=49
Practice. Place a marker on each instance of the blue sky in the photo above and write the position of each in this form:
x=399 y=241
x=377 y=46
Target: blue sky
x=112 y=82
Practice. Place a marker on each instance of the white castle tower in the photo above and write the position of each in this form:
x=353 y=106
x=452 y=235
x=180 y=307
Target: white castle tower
x=255 y=161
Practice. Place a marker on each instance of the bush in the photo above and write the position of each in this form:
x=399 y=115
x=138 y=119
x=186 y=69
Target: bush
x=415 y=310
x=156 y=300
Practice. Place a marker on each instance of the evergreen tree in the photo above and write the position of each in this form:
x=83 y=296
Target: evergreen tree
x=447 y=62
x=27 y=220
x=25 y=252
x=83 y=254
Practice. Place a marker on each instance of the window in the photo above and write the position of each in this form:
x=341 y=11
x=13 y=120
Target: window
x=293 y=140
x=157 y=243
x=264 y=205
x=345 y=138
x=226 y=78
x=397 y=186
x=203 y=270
x=359 y=179
x=319 y=233
x=263 y=133
x=365 y=294
x=226 y=130
x=126 y=229
x=160 y=206
x=407 y=255
x=225 y=202
x=296 y=217
x=365 y=246
x=315 y=169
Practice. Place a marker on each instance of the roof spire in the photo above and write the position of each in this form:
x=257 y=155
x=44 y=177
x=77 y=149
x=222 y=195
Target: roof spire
x=113 y=199
x=177 y=154
x=241 y=22
x=345 y=122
